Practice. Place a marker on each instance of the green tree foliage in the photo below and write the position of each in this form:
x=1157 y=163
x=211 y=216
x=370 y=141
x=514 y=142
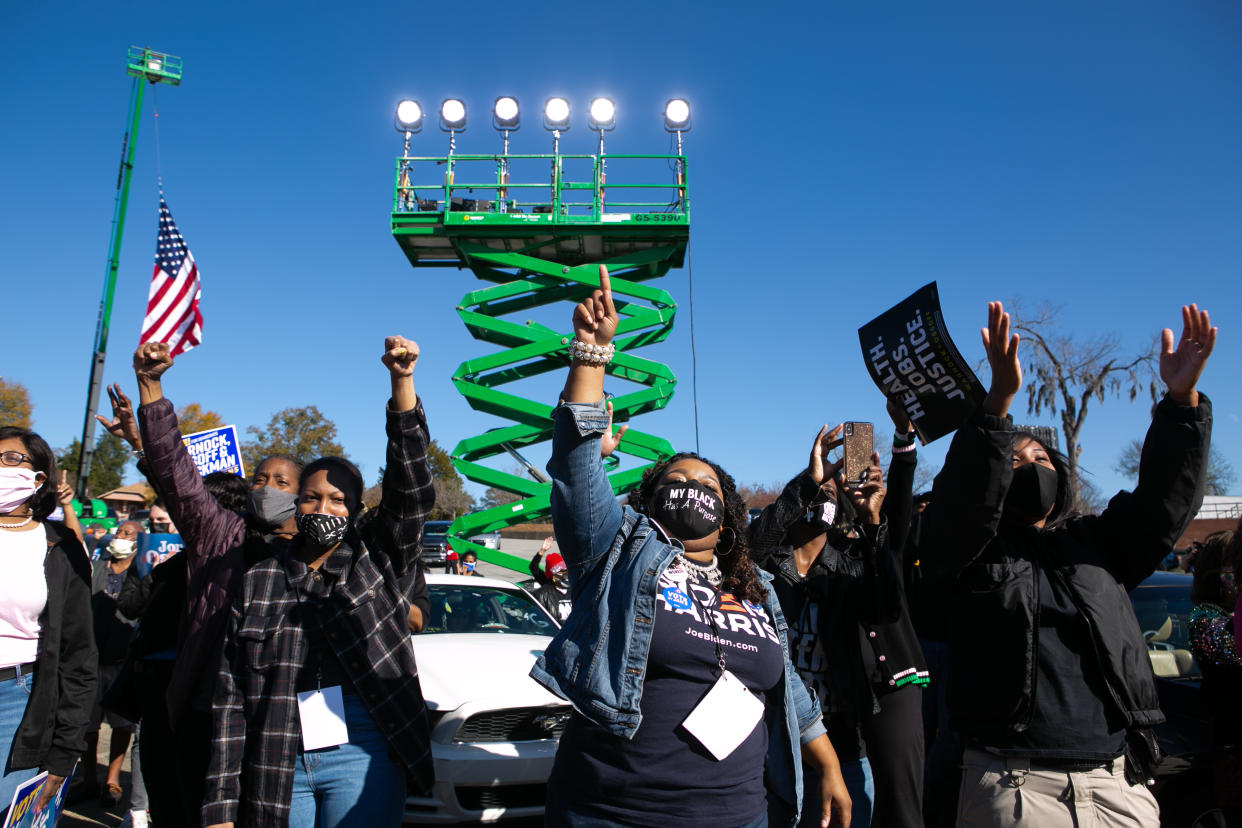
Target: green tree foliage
x=15 y=405
x=193 y=418
x=304 y=433
x=452 y=499
x=1220 y=472
x=107 y=464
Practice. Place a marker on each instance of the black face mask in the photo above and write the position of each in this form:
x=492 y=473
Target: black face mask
x=1031 y=494
x=821 y=516
x=159 y=528
x=687 y=511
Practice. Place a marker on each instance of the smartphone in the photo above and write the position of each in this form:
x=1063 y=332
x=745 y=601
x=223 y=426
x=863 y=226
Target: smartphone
x=858 y=447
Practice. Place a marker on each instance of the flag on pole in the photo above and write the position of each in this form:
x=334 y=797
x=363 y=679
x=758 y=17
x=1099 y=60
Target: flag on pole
x=172 y=304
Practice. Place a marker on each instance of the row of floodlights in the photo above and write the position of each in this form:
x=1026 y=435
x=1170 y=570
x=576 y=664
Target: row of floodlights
x=601 y=115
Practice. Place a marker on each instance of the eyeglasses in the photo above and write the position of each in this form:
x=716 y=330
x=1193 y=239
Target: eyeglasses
x=14 y=458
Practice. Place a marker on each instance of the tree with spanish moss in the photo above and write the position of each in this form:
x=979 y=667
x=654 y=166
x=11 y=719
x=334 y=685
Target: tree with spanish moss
x=1066 y=374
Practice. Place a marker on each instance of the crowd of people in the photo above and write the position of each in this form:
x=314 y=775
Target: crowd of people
x=854 y=655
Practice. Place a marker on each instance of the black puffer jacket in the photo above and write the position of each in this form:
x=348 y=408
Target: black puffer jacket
x=988 y=575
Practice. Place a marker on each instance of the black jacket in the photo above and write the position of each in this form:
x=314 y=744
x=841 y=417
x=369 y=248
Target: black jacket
x=52 y=734
x=851 y=591
x=989 y=573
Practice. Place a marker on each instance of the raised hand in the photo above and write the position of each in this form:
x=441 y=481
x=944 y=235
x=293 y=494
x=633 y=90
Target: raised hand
x=151 y=360
x=868 y=496
x=609 y=441
x=1180 y=367
x=819 y=467
x=901 y=420
x=400 y=355
x=595 y=318
x=64 y=492
x=123 y=423
x=1002 y=351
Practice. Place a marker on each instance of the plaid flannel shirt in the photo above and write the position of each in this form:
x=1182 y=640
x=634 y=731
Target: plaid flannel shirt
x=363 y=618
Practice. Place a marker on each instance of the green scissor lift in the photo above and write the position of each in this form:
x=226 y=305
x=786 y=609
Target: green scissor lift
x=538 y=237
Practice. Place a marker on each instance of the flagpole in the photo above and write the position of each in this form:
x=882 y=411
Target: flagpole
x=153 y=67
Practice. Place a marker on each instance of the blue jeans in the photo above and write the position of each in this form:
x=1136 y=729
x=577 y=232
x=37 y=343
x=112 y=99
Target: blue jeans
x=858 y=783
x=350 y=784
x=14 y=694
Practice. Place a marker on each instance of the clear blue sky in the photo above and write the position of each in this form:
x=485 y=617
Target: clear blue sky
x=842 y=155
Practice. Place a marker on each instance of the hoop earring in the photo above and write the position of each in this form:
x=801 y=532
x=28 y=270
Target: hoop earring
x=732 y=539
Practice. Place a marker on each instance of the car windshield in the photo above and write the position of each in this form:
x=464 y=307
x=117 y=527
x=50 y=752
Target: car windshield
x=436 y=527
x=458 y=608
x=1163 y=614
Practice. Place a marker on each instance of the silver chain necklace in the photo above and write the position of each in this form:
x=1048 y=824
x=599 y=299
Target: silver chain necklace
x=709 y=572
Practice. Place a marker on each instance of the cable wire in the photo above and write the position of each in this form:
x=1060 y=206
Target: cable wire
x=155 y=108
x=694 y=358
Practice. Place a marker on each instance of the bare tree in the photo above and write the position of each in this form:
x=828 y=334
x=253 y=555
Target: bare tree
x=1220 y=472
x=1063 y=374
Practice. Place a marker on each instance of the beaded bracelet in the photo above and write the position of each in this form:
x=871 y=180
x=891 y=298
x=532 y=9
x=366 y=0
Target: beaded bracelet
x=591 y=354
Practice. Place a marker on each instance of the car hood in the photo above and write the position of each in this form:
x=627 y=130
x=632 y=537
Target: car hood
x=455 y=668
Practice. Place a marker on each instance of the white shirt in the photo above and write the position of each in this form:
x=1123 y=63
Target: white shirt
x=23 y=594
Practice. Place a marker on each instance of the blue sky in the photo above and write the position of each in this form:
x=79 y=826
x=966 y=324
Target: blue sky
x=842 y=155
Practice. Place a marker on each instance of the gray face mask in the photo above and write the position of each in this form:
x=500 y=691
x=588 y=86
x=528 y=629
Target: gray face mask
x=270 y=507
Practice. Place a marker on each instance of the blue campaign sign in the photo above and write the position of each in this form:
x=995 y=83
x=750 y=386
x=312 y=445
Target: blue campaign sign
x=155 y=549
x=22 y=813
x=215 y=450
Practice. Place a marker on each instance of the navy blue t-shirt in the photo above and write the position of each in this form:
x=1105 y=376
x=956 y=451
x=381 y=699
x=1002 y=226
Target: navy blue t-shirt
x=663 y=776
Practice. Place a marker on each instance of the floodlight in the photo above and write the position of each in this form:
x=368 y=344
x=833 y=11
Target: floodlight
x=409 y=116
x=453 y=115
x=155 y=64
x=677 y=115
x=602 y=114
x=505 y=113
x=556 y=114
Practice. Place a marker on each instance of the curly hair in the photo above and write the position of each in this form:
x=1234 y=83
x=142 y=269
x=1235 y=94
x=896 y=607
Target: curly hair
x=740 y=577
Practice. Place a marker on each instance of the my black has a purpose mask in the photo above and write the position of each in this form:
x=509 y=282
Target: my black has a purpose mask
x=1031 y=494
x=687 y=510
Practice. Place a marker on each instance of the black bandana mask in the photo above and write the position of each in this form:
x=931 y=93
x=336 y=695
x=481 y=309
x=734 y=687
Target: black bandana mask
x=1031 y=494
x=687 y=511
x=322 y=530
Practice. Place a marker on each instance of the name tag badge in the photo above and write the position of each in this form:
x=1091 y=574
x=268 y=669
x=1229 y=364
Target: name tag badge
x=725 y=716
x=322 y=713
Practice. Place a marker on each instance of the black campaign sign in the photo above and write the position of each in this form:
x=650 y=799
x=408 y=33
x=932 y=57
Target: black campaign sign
x=913 y=361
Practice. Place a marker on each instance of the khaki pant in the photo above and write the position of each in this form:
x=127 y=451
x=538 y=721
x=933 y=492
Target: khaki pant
x=1016 y=794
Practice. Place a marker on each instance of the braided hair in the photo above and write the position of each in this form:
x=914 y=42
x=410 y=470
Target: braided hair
x=739 y=574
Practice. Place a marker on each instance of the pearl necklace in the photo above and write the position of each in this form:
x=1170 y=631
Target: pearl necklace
x=709 y=572
x=29 y=518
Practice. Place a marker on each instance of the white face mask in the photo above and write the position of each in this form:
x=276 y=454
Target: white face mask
x=120 y=549
x=16 y=487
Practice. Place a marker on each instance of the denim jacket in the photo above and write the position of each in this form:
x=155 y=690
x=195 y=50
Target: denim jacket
x=615 y=557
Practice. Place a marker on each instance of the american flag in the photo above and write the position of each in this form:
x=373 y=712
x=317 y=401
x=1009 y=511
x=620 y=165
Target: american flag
x=172 y=305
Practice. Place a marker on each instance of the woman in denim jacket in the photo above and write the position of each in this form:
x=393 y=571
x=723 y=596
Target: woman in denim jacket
x=669 y=619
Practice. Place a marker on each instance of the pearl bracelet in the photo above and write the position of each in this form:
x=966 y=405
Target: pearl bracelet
x=591 y=354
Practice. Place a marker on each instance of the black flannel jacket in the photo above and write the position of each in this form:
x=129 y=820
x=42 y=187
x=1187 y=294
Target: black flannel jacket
x=364 y=621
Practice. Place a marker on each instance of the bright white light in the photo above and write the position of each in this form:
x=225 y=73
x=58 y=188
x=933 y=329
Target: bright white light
x=155 y=65
x=409 y=112
x=602 y=110
x=677 y=112
x=556 y=110
x=453 y=111
x=506 y=109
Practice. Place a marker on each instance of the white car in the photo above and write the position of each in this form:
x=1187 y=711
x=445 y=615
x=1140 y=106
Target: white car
x=494 y=731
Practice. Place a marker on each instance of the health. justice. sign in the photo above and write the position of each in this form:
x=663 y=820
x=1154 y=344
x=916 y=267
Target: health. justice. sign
x=215 y=450
x=914 y=362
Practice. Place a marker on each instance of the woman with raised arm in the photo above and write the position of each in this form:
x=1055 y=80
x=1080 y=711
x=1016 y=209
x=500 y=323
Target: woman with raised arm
x=1049 y=681
x=687 y=710
x=318 y=712
x=47 y=648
